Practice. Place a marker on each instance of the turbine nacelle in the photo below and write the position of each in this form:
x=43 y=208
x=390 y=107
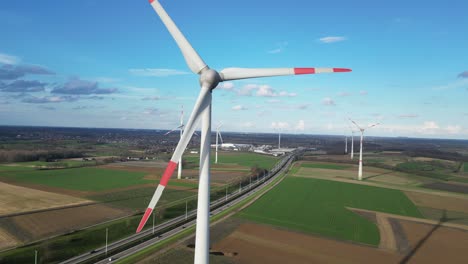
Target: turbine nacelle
x=209 y=78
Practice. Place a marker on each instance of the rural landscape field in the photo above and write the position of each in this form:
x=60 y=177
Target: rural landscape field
x=62 y=206
x=320 y=213
x=410 y=206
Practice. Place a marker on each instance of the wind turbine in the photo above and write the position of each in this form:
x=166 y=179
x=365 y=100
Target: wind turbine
x=346 y=145
x=360 y=148
x=208 y=80
x=181 y=128
x=352 y=143
x=218 y=134
x=279 y=137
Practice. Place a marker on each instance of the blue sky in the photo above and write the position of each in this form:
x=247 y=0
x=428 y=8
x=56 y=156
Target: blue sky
x=96 y=63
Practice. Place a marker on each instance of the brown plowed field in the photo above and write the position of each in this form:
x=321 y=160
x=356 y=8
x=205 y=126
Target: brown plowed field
x=438 y=202
x=15 y=199
x=43 y=224
x=263 y=244
x=435 y=244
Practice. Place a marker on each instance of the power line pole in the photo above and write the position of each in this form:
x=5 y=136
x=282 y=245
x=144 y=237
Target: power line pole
x=186 y=209
x=107 y=234
x=35 y=256
x=153 y=223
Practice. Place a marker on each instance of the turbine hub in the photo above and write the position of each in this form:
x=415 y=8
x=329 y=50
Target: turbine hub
x=209 y=78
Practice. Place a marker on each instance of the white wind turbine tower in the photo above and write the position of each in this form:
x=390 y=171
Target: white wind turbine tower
x=360 y=148
x=208 y=80
x=181 y=128
x=279 y=137
x=352 y=142
x=218 y=134
x=346 y=145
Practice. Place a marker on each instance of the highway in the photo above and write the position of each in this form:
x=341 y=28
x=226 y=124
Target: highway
x=149 y=236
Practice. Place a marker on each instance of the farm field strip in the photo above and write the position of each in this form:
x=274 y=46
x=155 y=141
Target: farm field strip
x=16 y=199
x=246 y=159
x=284 y=206
x=325 y=166
x=81 y=179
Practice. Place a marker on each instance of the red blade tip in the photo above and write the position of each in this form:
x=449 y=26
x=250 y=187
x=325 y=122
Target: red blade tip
x=144 y=219
x=341 y=70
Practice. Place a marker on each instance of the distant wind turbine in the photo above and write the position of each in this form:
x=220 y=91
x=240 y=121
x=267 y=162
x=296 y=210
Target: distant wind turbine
x=346 y=145
x=181 y=128
x=360 y=149
x=218 y=134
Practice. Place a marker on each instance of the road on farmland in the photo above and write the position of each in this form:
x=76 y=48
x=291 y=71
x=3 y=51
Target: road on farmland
x=149 y=236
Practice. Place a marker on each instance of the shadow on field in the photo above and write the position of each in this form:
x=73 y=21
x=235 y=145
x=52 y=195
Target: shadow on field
x=377 y=175
x=421 y=242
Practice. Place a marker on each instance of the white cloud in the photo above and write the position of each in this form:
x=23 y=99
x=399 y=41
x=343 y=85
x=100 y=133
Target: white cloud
x=453 y=129
x=248 y=125
x=332 y=39
x=238 y=108
x=430 y=125
x=286 y=94
x=280 y=125
x=328 y=101
x=266 y=91
x=262 y=90
x=156 y=72
x=427 y=128
x=226 y=86
x=363 y=92
x=247 y=90
x=8 y=59
x=300 y=126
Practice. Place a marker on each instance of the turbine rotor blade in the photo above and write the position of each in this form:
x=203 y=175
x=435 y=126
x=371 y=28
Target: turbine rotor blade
x=201 y=103
x=373 y=125
x=229 y=74
x=356 y=124
x=221 y=138
x=174 y=129
x=193 y=60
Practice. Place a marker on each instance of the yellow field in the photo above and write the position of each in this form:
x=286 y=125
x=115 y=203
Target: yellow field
x=16 y=199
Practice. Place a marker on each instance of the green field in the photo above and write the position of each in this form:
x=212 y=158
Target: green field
x=425 y=169
x=247 y=159
x=318 y=206
x=325 y=166
x=465 y=167
x=81 y=179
